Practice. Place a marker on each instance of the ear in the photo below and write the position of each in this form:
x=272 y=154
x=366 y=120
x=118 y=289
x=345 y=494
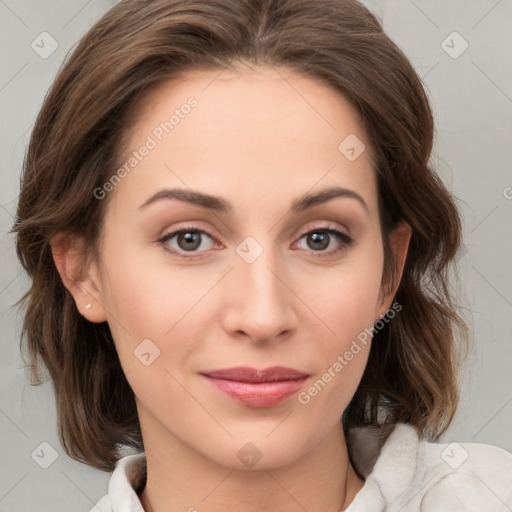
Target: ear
x=399 y=244
x=78 y=276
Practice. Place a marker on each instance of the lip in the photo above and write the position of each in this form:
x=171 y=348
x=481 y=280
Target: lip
x=257 y=388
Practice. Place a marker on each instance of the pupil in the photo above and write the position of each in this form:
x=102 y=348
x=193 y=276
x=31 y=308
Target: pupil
x=191 y=239
x=315 y=237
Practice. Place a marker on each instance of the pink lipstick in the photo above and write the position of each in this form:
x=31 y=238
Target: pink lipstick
x=257 y=388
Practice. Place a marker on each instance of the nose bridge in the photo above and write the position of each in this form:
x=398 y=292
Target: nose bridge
x=261 y=302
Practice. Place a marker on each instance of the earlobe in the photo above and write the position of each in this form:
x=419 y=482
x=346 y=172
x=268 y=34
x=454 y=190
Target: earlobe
x=399 y=243
x=78 y=276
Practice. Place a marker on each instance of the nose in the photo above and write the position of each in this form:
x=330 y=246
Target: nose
x=260 y=302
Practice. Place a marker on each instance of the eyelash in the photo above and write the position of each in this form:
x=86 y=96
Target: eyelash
x=345 y=240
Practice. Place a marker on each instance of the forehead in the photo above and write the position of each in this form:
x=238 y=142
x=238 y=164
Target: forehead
x=260 y=99
x=266 y=131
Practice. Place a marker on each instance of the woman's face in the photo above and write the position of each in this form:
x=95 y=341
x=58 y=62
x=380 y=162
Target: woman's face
x=255 y=279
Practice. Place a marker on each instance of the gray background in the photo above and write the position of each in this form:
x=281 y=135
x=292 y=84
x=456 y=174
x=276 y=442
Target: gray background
x=472 y=100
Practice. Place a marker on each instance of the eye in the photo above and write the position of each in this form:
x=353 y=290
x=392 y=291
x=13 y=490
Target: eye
x=320 y=239
x=193 y=240
x=187 y=240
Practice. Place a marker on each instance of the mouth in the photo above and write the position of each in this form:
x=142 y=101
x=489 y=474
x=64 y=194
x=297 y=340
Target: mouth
x=257 y=388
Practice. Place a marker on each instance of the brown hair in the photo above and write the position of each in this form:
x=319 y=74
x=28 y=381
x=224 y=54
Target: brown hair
x=76 y=144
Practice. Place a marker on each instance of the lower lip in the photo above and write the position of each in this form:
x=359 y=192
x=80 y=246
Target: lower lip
x=261 y=394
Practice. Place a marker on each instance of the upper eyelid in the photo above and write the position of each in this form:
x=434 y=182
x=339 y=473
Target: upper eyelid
x=196 y=227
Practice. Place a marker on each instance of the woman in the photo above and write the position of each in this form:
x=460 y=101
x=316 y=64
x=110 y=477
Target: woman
x=241 y=263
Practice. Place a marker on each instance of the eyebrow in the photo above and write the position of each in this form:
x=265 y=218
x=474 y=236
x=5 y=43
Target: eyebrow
x=220 y=205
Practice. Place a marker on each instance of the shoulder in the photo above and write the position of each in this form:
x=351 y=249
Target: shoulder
x=407 y=473
x=467 y=476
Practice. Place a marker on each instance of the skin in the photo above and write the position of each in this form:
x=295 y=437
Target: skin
x=260 y=144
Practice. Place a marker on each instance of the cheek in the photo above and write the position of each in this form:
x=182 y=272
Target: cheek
x=346 y=298
x=157 y=326
x=148 y=299
x=341 y=353
x=159 y=303
x=346 y=301
x=344 y=349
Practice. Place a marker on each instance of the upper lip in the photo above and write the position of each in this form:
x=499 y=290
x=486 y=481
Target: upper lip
x=247 y=374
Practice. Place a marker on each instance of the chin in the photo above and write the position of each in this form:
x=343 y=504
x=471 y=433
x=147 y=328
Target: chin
x=262 y=448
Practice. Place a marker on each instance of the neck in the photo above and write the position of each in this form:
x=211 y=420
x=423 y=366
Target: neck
x=179 y=478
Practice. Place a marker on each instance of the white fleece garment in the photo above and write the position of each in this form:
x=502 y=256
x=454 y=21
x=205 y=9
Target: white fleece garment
x=405 y=474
